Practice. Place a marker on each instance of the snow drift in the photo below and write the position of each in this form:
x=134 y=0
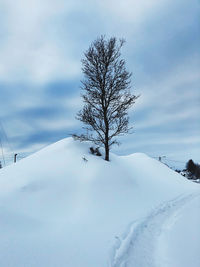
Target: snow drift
x=63 y=206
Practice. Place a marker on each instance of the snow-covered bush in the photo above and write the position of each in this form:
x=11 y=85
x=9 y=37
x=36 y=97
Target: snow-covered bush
x=95 y=151
x=192 y=170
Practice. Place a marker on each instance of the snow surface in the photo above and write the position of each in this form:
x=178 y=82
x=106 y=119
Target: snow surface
x=58 y=210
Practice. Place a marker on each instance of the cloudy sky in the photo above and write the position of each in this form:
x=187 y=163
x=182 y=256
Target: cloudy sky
x=42 y=43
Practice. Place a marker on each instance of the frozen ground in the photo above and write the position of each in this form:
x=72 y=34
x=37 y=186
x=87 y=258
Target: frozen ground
x=58 y=210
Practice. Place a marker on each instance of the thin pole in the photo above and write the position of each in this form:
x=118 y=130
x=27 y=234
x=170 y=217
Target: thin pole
x=15 y=158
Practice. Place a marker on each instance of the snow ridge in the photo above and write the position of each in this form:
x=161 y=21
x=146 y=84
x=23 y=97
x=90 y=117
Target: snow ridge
x=58 y=210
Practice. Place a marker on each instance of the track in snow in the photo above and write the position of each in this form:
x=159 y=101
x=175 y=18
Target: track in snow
x=140 y=246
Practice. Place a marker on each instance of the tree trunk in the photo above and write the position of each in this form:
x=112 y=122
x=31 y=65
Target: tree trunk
x=106 y=132
x=107 y=151
x=106 y=138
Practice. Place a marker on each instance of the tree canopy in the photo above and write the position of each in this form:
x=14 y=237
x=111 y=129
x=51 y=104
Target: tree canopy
x=106 y=93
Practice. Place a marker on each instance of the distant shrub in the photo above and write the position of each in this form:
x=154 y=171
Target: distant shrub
x=193 y=170
x=191 y=166
x=92 y=150
x=95 y=151
x=197 y=171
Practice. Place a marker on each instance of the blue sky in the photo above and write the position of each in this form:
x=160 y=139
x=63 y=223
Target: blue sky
x=42 y=43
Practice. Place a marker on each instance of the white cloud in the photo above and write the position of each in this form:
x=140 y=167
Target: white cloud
x=57 y=124
x=33 y=50
x=131 y=10
x=170 y=99
x=29 y=52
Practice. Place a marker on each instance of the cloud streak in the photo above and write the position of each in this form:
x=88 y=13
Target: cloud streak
x=40 y=70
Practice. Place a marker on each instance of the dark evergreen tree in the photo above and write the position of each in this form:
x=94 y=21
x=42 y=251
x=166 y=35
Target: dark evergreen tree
x=191 y=167
x=106 y=93
x=197 y=171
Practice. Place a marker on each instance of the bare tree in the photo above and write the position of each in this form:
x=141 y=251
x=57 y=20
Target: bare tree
x=106 y=93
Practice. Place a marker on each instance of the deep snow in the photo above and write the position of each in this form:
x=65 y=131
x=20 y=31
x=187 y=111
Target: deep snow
x=159 y=240
x=58 y=210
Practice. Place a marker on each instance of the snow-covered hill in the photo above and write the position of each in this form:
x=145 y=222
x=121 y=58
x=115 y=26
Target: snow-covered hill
x=59 y=210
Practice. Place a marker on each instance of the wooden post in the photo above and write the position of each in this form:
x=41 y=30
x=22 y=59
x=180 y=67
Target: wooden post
x=15 y=158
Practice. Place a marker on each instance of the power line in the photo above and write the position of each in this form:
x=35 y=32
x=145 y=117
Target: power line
x=2 y=153
x=6 y=137
x=175 y=160
x=165 y=158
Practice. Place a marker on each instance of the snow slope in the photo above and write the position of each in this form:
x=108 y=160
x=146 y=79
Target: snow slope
x=58 y=210
x=167 y=237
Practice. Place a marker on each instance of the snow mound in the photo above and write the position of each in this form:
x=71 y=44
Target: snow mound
x=63 y=206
